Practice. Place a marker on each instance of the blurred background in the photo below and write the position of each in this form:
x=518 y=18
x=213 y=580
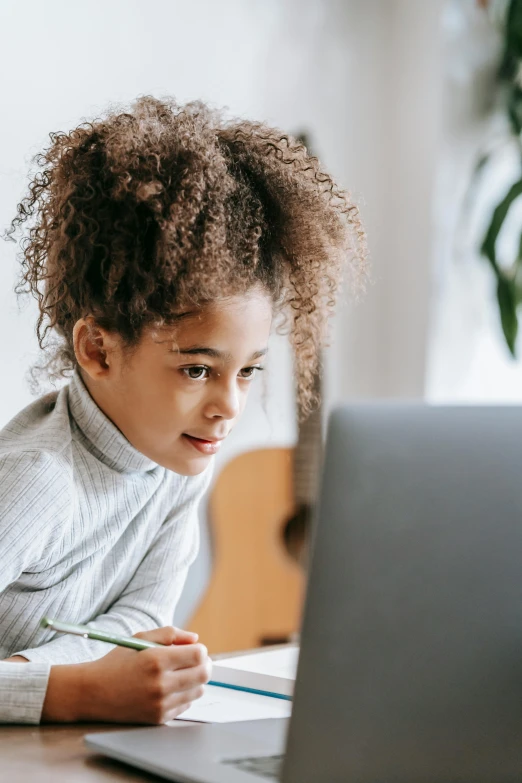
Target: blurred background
x=399 y=99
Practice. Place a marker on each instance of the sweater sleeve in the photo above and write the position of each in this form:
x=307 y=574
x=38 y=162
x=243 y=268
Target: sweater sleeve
x=22 y=691
x=33 y=501
x=150 y=597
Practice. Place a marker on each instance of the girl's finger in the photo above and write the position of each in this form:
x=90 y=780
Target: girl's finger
x=184 y=637
x=168 y=635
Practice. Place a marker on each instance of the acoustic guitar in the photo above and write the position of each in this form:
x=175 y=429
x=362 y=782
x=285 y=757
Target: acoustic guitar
x=259 y=513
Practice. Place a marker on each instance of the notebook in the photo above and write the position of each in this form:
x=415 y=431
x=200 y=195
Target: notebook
x=268 y=673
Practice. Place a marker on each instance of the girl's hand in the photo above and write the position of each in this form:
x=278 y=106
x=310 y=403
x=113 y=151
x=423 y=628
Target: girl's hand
x=129 y=686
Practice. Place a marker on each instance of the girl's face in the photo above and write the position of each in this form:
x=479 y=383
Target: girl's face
x=182 y=391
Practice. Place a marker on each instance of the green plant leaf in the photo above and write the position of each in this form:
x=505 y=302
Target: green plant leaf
x=514 y=29
x=499 y=215
x=509 y=285
x=514 y=108
x=507 y=302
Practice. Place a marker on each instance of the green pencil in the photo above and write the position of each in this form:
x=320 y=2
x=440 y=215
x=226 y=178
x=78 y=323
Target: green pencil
x=100 y=636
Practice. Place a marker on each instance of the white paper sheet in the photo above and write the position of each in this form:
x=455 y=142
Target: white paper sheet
x=224 y=705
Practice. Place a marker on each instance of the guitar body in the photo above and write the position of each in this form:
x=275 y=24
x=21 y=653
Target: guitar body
x=256 y=590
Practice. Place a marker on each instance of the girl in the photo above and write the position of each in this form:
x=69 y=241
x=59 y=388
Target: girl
x=159 y=244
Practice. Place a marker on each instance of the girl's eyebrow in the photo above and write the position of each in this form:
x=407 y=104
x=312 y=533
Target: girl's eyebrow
x=214 y=353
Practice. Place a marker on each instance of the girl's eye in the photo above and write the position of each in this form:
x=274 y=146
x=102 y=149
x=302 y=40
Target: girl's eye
x=249 y=372
x=199 y=372
x=196 y=373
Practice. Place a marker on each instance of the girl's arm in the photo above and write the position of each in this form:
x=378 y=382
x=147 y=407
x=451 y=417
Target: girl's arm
x=152 y=686
x=34 y=502
x=151 y=595
x=122 y=685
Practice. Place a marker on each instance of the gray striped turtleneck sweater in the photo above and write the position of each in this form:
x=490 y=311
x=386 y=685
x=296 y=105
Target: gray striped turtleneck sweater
x=91 y=530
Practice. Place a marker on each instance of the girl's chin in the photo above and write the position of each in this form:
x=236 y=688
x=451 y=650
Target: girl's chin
x=184 y=465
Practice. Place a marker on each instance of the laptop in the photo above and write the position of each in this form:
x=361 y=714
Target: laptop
x=411 y=647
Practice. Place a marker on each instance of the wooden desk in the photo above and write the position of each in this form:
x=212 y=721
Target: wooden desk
x=57 y=753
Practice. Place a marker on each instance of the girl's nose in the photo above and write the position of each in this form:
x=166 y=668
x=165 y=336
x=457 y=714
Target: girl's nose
x=226 y=402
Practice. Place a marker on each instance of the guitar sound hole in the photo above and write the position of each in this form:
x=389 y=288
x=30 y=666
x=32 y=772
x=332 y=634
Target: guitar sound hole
x=296 y=532
x=267 y=641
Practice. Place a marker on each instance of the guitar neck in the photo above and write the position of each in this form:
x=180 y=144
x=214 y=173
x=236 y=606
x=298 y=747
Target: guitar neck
x=308 y=454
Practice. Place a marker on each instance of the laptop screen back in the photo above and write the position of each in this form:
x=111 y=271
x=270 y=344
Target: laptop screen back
x=411 y=656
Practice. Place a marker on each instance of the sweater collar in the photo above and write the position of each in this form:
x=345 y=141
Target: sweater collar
x=101 y=437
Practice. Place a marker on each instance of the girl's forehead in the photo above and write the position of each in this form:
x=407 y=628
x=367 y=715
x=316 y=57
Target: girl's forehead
x=249 y=307
x=228 y=320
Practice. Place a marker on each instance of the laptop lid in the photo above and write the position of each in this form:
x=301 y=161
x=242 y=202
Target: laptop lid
x=411 y=658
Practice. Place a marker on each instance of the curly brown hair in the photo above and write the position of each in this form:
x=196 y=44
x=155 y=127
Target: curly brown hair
x=144 y=211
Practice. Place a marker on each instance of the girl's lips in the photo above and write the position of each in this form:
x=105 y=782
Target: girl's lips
x=204 y=446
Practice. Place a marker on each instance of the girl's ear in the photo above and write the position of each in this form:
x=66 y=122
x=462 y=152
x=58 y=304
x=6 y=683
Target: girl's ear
x=94 y=347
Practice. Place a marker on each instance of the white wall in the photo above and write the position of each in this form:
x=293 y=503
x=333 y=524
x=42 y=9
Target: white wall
x=366 y=78
x=363 y=78
x=468 y=360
